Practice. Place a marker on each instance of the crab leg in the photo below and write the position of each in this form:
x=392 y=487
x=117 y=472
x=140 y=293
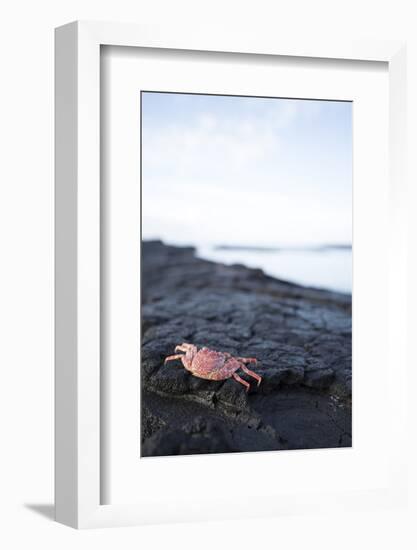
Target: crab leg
x=239 y=379
x=172 y=357
x=253 y=374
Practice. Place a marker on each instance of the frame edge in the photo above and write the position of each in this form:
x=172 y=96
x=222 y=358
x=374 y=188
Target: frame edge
x=77 y=44
x=66 y=387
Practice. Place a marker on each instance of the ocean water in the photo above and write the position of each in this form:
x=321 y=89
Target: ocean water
x=327 y=268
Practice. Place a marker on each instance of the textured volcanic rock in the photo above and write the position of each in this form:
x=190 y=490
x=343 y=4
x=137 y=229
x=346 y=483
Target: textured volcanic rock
x=301 y=337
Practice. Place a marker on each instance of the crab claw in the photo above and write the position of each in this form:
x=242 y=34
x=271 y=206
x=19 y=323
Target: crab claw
x=183 y=347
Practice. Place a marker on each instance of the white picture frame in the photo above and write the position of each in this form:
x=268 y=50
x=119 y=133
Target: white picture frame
x=78 y=410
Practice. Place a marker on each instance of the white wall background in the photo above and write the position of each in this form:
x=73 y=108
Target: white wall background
x=26 y=269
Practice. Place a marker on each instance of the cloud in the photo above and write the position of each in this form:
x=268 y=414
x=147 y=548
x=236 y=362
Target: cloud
x=240 y=175
x=211 y=146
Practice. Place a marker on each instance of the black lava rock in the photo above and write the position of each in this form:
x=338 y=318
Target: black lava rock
x=300 y=336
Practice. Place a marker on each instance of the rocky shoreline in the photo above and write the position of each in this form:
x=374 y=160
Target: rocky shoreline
x=301 y=337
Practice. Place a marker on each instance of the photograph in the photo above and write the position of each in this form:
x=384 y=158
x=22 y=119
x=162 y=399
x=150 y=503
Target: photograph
x=246 y=273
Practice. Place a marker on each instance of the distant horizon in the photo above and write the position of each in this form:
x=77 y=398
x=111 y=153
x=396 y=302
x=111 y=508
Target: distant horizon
x=326 y=267
x=234 y=246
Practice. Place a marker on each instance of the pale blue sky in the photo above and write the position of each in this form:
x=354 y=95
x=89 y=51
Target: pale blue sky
x=238 y=170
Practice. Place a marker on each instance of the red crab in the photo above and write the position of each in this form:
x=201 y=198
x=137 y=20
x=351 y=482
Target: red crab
x=214 y=365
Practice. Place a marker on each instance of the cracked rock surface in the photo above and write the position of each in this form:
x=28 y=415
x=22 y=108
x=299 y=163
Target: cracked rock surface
x=300 y=336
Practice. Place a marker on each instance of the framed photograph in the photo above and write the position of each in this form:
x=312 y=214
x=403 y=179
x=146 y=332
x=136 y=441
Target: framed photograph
x=228 y=322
